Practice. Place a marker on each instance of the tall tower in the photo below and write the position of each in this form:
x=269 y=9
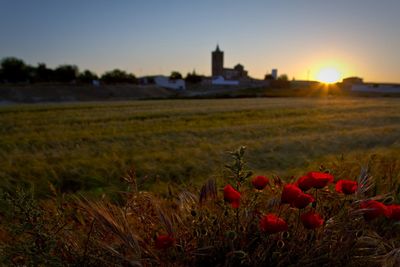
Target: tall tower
x=217 y=62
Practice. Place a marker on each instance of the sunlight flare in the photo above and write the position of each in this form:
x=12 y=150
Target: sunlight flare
x=328 y=75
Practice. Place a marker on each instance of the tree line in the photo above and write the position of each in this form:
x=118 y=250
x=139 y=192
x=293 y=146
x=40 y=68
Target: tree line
x=15 y=70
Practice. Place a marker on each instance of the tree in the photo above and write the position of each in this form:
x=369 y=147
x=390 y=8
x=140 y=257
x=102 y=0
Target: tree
x=175 y=75
x=87 y=76
x=66 y=73
x=14 y=70
x=193 y=78
x=43 y=74
x=283 y=77
x=268 y=77
x=281 y=82
x=118 y=76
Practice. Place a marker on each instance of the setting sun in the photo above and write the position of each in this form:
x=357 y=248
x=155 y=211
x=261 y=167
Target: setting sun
x=328 y=75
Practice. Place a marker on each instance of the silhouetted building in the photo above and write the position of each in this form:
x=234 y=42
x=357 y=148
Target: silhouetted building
x=217 y=67
x=217 y=62
x=274 y=74
x=240 y=70
x=352 y=80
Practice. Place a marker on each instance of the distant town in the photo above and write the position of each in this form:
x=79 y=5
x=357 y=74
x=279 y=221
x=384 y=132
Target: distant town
x=14 y=73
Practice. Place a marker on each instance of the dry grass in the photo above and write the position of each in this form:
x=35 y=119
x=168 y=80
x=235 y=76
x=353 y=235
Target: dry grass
x=88 y=147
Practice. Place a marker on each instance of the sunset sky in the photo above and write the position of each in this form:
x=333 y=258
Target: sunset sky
x=155 y=37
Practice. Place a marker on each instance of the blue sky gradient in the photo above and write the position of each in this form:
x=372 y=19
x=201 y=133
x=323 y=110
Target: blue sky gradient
x=155 y=37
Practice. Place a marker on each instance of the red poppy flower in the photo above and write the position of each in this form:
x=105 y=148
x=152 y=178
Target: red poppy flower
x=260 y=182
x=374 y=209
x=305 y=182
x=314 y=180
x=302 y=200
x=346 y=187
x=321 y=179
x=290 y=193
x=272 y=224
x=311 y=220
x=232 y=196
x=164 y=241
x=394 y=212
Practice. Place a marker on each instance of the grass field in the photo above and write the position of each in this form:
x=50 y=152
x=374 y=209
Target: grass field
x=89 y=146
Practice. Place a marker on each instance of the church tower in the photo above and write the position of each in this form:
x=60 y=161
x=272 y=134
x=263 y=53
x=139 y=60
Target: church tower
x=217 y=62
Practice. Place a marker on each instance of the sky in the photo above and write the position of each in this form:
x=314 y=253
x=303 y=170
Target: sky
x=148 y=37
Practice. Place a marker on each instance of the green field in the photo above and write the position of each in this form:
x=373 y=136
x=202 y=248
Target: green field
x=89 y=146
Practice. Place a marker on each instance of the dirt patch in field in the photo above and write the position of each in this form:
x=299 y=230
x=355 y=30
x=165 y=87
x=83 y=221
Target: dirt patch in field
x=61 y=92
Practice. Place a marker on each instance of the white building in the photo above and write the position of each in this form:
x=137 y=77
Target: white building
x=219 y=80
x=376 y=88
x=168 y=83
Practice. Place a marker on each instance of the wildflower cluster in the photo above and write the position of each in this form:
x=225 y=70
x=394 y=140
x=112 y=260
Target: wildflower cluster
x=294 y=195
x=244 y=220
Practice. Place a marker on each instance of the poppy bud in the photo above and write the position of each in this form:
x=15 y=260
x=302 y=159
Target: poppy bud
x=231 y=235
x=164 y=241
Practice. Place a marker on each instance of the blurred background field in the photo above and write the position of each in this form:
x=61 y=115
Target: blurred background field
x=88 y=147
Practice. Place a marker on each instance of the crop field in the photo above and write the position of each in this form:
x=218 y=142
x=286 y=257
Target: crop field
x=88 y=147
